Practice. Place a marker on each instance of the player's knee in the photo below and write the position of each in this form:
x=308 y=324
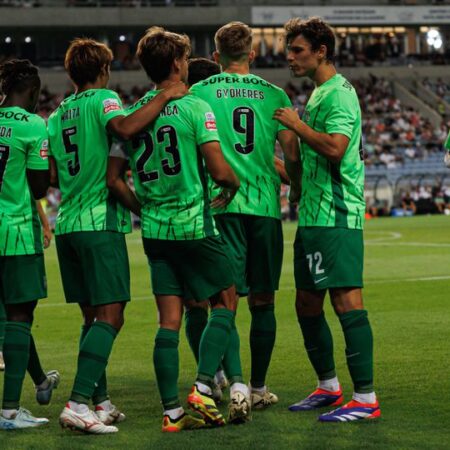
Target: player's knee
x=261 y=298
x=305 y=306
x=22 y=312
x=191 y=304
x=170 y=323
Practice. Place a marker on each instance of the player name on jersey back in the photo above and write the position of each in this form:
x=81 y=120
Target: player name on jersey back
x=244 y=106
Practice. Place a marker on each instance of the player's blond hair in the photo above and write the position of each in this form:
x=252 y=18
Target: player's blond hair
x=234 y=40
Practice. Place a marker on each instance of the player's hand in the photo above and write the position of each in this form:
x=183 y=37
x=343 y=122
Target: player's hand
x=223 y=198
x=176 y=90
x=47 y=237
x=288 y=117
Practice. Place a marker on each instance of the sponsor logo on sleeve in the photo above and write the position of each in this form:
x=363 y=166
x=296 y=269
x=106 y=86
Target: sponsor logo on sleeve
x=110 y=104
x=210 y=121
x=43 y=152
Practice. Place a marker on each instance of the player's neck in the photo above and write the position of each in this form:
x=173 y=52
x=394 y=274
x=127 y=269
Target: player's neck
x=173 y=78
x=98 y=84
x=239 y=68
x=323 y=73
x=14 y=101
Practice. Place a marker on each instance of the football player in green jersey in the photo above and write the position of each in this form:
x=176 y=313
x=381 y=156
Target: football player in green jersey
x=328 y=249
x=447 y=151
x=196 y=316
x=251 y=224
x=185 y=252
x=23 y=175
x=90 y=226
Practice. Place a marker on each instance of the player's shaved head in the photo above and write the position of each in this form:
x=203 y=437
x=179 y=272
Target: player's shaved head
x=158 y=49
x=315 y=30
x=234 y=41
x=86 y=59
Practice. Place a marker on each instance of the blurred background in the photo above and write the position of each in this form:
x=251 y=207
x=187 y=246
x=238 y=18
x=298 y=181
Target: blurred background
x=396 y=54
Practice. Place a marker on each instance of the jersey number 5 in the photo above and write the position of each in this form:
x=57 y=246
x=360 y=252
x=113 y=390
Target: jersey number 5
x=248 y=129
x=171 y=148
x=72 y=166
x=4 y=155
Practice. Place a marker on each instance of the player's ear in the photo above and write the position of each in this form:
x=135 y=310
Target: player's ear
x=176 y=65
x=216 y=57
x=322 y=52
x=251 y=56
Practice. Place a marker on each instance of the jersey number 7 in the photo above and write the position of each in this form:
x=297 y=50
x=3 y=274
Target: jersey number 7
x=4 y=155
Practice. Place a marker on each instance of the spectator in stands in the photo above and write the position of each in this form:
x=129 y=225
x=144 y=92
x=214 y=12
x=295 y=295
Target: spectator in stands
x=408 y=203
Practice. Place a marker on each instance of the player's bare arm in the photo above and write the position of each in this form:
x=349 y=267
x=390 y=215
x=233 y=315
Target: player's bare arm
x=289 y=144
x=281 y=170
x=118 y=187
x=47 y=232
x=332 y=146
x=54 y=182
x=127 y=126
x=221 y=173
x=39 y=181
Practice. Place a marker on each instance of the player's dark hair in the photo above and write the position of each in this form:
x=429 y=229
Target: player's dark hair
x=234 y=40
x=158 y=49
x=200 y=69
x=17 y=75
x=86 y=59
x=316 y=31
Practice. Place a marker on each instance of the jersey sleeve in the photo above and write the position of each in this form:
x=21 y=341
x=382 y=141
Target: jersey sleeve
x=447 y=142
x=37 y=155
x=285 y=102
x=109 y=106
x=342 y=113
x=204 y=123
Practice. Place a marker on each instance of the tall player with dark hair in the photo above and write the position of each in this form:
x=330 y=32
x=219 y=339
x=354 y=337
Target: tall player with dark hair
x=91 y=226
x=328 y=248
x=23 y=175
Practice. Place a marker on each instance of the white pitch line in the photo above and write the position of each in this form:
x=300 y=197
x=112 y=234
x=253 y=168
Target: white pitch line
x=149 y=297
x=409 y=244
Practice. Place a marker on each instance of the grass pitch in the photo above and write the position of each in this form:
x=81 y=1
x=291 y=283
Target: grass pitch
x=407 y=276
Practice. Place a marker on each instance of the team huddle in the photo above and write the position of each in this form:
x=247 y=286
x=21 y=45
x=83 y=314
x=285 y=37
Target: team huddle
x=201 y=149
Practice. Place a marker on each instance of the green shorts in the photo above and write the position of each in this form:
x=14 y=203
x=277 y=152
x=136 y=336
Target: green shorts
x=328 y=258
x=22 y=279
x=255 y=245
x=94 y=267
x=195 y=269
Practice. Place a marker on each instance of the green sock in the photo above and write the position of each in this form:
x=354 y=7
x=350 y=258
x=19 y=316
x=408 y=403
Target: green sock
x=196 y=320
x=262 y=340
x=165 y=360
x=232 y=359
x=101 y=390
x=92 y=360
x=2 y=325
x=16 y=354
x=359 y=349
x=34 y=365
x=214 y=343
x=319 y=345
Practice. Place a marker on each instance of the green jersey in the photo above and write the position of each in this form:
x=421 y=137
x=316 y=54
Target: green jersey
x=244 y=106
x=333 y=194
x=447 y=143
x=23 y=145
x=80 y=145
x=168 y=170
